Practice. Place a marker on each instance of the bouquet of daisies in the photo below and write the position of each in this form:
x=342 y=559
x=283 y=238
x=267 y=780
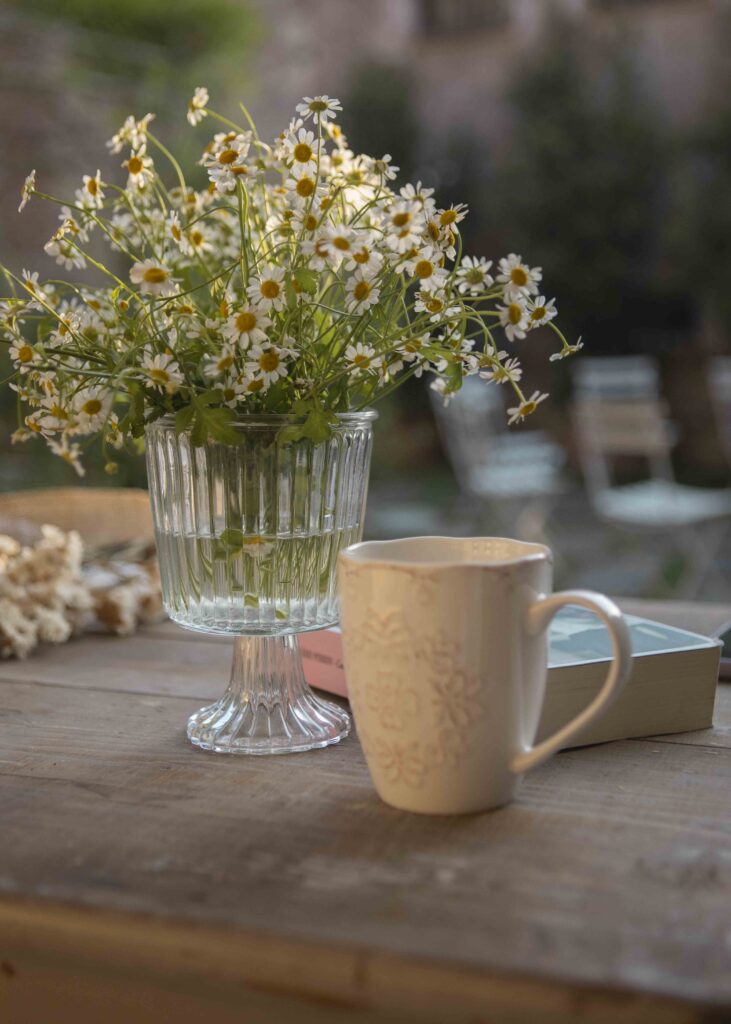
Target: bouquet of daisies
x=298 y=280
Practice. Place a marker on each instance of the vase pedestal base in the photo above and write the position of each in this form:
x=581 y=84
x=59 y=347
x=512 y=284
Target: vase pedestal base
x=268 y=707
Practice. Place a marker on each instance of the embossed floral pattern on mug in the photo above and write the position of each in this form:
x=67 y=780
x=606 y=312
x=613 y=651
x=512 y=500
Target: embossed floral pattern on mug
x=412 y=680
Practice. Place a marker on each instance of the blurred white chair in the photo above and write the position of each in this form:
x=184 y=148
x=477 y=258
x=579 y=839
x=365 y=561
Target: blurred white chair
x=515 y=474
x=618 y=413
x=719 y=385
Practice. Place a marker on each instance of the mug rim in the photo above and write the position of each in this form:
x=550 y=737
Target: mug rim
x=530 y=552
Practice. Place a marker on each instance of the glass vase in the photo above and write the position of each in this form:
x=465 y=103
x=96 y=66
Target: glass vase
x=248 y=536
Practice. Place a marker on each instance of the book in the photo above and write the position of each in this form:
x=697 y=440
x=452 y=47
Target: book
x=672 y=686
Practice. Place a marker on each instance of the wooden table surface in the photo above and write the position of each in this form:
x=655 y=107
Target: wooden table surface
x=142 y=880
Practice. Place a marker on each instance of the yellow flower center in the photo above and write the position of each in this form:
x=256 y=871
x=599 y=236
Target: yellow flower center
x=362 y=361
x=269 y=361
x=158 y=375
x=92 y=186
x=519 y=277
x=305 y=187
x=310 y=222
x=317 y=106
x=155 y=275
x=474 y=276
x=528 y=407
x=134 y=165
x=434 y=305
x=362 y=256
x=341 y=243
x=227 y=156
x=413 y=346
x=225 y=361
x=255 y=385
x=538 y=313
x=196 y=237
x=92 y=407
x=515 y=313
x=447 y=217
x=302 y=153
x=269 y=289
x=245 y=322
x=240 y=169
x=229 y=394
x=175 y=231
x=25 y=354
x=424 y=268
x=361 y=291
x=400 y=220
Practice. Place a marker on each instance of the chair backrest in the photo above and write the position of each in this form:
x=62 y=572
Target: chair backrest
x=719 y=385
x=618 y=411
x=617 y=377
x=468 y=425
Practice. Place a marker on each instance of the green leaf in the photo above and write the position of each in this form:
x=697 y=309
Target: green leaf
x=183 y=418
x=307 y=279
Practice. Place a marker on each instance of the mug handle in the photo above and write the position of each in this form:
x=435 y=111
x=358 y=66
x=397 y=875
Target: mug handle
x=539 y=615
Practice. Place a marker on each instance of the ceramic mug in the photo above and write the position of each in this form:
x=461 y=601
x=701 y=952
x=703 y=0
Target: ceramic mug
x=446 y=655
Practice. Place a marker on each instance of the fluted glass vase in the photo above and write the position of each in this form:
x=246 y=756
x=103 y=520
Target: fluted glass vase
x=248 y=536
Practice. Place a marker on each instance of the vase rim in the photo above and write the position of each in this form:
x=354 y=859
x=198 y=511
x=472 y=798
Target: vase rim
x=267 y=418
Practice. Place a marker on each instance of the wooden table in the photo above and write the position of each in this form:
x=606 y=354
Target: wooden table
x=144 y=881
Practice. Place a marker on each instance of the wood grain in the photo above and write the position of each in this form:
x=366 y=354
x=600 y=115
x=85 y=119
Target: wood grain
x=282 y=889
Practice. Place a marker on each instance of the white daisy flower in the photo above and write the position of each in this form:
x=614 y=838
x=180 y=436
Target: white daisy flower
x=418 y=194
x=233 y=389
x=518 y=277
x=64 y=253
x=197 y=106
x=90 y=407
x=412 y=351
x=24 y=356
x=452 y=215
x=424 y=264
x=503 y=370
x=152 y=277
x=219 y=364
x=320 y=108
x=267 y=290
x=162 y=371
x=403 y=224
x=27 y=190
x=541 y=311
x=363 y=255
x=301 y=147
x=267 y=363
x=70 y=453
x=528 y=406
x=90 y=195
x=247 y=327
x=338 y=241
x=140 y=169
x=385 y=170
x=303 y=184
x=567 y=350
x=132 y=133
x=473 y=276
x=361 y=292
x=514 y=318
x=362 y=358
x=442 y=388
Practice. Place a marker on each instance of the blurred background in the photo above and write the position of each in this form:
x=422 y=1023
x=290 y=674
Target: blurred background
x=591 y=136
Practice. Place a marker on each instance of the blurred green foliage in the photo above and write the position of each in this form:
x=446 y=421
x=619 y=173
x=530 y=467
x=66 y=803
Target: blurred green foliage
x=379 y=115
x=583 y=188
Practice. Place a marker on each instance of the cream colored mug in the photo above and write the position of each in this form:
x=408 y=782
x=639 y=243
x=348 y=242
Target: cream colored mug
x=445 y=644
